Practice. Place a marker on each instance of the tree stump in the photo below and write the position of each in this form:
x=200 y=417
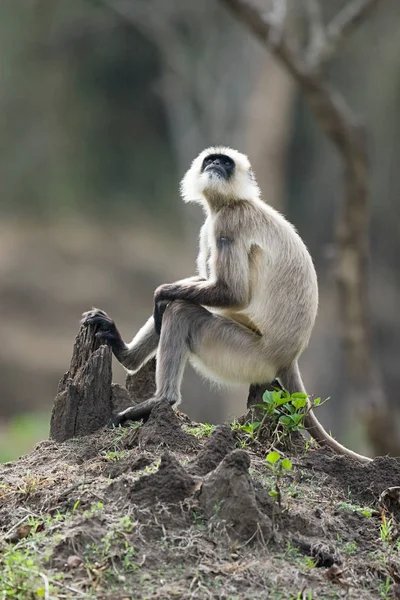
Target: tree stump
x=84 y=399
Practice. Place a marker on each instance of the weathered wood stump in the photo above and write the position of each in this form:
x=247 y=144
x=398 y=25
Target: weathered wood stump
x=84 y=400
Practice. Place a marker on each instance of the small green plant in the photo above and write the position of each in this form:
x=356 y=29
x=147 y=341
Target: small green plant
x=385 y=588
x=249 y=431
x=305 y=595
x=286 y=409
x=202 y=431
x=94 y=509
x=29 y=484
x=114 y=455
x=350 y=548
x=309 y=562
x=386 y=529
x=366 y=511
x=278 y=466
x=21 y=577
x=152 y=468
x=114 y=546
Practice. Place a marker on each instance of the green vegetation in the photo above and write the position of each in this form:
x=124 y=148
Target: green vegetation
x=115 y=455
x=278 y=466
x=286 y=410
x=366 y=511
x=22 y=433
x=283 y=413
x=203 y=430
x=115 y=551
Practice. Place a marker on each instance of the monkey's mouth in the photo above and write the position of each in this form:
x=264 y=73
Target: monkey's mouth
x=217 y=169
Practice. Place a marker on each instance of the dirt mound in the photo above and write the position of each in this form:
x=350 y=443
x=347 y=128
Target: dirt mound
x=366 y=481
x=163 y=429
x=221 y=442
x=170 y=484
x=152 y=512
x=228 y=498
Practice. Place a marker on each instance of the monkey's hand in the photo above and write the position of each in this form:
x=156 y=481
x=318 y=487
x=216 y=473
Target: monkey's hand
x=105 y=329
x=159 y=310
x=167 y=292
x=170 y=291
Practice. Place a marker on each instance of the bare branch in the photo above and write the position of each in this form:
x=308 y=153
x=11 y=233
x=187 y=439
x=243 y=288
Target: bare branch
x=268 y=29
x=329 y=107
x=317 y=31
x=277 y=20
x=342 y=26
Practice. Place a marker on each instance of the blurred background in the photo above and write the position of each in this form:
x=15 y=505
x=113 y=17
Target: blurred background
x=103 y=105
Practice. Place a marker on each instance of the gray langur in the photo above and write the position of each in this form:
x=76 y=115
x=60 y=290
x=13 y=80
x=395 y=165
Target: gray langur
x=249 y=314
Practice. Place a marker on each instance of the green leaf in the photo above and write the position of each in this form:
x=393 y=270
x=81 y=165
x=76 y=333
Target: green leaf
x=285 y=420
x=268 y=397
x=273 y=457
x=247 y=428
x=299 y=403
x=297 y=418
x=317 y=402
x=282 y=401
x=273 y=493
x=286 y=464
x=299 y=395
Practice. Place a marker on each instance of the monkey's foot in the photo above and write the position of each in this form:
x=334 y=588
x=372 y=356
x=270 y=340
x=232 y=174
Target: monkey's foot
x=137 y=412
x=106 y=329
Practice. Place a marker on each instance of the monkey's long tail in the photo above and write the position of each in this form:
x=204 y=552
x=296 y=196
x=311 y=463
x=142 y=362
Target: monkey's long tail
x=291 y=381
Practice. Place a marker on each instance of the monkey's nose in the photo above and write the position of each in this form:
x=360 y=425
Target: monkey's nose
x=216 y=162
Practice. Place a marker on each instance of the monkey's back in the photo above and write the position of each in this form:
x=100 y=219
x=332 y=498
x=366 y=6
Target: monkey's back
x=283 y=282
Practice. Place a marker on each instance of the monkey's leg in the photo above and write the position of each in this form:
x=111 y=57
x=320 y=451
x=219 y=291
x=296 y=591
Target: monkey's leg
x=220 y=348
x=132 y=356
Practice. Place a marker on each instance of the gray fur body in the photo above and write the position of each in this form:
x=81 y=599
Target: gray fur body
x=249 y=314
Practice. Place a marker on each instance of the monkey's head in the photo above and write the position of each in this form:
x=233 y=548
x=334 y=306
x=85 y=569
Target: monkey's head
x=219 y=173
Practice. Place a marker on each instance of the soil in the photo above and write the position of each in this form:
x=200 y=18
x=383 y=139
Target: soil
x=151 y=511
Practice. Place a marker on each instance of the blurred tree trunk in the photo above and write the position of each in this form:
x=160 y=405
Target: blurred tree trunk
x=268 y=129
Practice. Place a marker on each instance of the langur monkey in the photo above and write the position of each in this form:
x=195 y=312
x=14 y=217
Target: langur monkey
x=248 y=315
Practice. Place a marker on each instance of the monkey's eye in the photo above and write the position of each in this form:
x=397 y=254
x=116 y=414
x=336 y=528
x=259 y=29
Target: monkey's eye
x=227 y=162
x=208 y=161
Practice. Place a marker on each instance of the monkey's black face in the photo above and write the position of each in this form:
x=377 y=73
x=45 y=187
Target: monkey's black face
x=220 y=165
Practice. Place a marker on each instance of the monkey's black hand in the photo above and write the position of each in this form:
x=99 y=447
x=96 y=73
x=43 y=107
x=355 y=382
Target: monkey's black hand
x=105 y=329
x=180 y=290
x=159 y=310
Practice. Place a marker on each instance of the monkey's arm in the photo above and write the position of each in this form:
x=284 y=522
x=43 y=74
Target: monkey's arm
x=133 y=355
x=228 y=289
